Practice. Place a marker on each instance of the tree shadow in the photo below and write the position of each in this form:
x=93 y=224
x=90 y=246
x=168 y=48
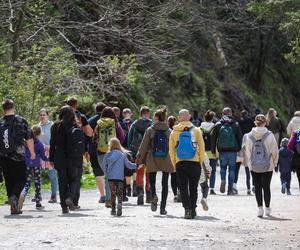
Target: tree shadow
x=275 y=218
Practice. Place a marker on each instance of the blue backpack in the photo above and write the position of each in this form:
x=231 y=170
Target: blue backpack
x=160 y=144
x=298 y=142
x=185 y=148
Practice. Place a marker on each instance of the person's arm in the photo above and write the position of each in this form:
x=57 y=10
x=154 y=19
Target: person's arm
x=172 y=149
x=30 y=145
x=274 y=149
x=143 y=149
x=239 y=136
x=42 y=153
x=128 y=163
x=289 y=130
x=292 y=142
x=213 y=138
x=87 y=130
x=130 y=134
x=120 y=133
x=201 y=145
x=103 y=165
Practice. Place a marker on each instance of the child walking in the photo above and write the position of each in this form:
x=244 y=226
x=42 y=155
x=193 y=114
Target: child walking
x=113 y=165
x=285 y=166
x=205 y=175
x=33 y=169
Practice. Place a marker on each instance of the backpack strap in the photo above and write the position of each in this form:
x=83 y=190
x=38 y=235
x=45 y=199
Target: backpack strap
x=265 y=136
x=188 y=128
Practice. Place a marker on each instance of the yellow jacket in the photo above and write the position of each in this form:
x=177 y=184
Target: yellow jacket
x=197 y=137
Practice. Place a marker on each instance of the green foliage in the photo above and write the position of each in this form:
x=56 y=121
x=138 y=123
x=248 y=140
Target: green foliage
x=3 y=196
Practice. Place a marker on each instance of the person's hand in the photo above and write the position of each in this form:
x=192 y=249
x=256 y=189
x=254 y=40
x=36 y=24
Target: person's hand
x=208 y=174
x=32 y=156
x=140 y=166
x=52 y=164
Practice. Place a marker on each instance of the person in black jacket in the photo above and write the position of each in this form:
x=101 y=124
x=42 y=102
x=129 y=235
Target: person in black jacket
x=226 y=136
x=67 y=167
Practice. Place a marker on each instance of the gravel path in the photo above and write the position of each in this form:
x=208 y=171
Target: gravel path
x=230 y=223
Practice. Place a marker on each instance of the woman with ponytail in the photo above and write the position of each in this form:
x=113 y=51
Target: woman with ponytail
x=155 y=147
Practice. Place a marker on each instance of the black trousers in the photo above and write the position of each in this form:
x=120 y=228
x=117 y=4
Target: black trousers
x=164 y=184
x=262 y=183
x=1 y=175
x=14 y=173
x=237 y=170
x=174 y=183
x=188 y=174
x=78 y=180
x=68 y=180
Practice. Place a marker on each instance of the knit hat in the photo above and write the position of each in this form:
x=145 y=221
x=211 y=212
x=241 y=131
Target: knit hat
x=284 y=142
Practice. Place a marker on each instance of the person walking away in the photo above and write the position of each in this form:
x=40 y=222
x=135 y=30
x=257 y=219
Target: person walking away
x=126 y=124
x=92 y=148
x=117 y=112
x=274 y=124
x=285 y=166
x=82 y=122
x=15 y=135
x=33 y=170
x=246 y=124
x=205 y=175
x=262 y=155
x=172 y=121
x=226 y=136
x=107 y=128
x=206 y=128
x=67 y=145
x=135 y=137
x=113 y=165
x=294 y=124
x=186 y=149
x=44 y=138
x=294 y=145
x=155 y=147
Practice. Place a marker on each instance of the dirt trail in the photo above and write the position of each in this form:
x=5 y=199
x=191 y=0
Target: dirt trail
x=231 y=223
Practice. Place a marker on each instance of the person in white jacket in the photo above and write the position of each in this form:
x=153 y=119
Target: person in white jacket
x=294 y=124
x=262 y=155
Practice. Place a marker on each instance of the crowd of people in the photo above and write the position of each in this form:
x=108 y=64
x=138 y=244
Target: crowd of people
x=127 y=154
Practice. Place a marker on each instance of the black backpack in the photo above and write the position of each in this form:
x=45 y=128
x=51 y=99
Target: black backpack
x=140 y=129
x=206 y=134
x=7 y=136
x=75 y=143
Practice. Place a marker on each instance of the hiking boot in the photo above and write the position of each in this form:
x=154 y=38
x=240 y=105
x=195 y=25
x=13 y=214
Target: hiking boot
x=77 y=207
x=179 y=197
x=194 y=213
x=260 y=212
x=102 y=199
x=248 y=192
x=148 y=197
x=222 y=187
x=33 y=200
x=283 y=187
x=113 y=212
x=65 y=210
x=234 y=188
x=21 y=202
x=39 y=206
x=175 y=198
x=163 y=211
x=108 y=204
x=288 y=192
x=204 y=204
x=188 y=214
x=12 y=201
x=125 y=199
x=134 y=190
x=212 y=192
x=140 y=199
x=52 y=199
x=268 y=211
x=70 y=204
x=119 y=210
x=128 y=190
x=154 y=204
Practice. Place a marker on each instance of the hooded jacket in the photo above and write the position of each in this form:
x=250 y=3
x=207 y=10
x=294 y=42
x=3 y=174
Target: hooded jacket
x=46 y=132
x=285 y=160
x=293 y=126
x=215 y=135
x=270 y=144
x=197 y=137
x=114 y=163
x=207 y=127
x=154 y=164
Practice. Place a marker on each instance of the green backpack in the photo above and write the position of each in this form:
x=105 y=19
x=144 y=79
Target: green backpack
x=104 y=136
x=227 y=139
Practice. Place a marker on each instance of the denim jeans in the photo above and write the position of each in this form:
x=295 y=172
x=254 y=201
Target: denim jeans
x=107 y=189
x=54 y=181
x=228 y=159
x=286 y=178
x=212 y=180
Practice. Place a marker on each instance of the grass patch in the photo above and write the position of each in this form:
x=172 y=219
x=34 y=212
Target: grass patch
x=3 y=197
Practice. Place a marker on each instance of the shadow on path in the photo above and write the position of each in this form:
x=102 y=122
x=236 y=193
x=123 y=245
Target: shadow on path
x=203 y=218
x=75 y=215
x=22 y=217
x=275 y=218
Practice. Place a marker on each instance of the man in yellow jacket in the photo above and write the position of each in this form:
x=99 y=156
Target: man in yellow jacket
x=186 y=149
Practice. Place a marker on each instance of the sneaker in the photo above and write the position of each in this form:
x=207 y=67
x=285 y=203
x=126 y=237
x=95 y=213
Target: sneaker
x=179 y=197
x=163 y=211
x=52 y=200
x=113 y=212
x=283 y=187
x=222 y=187
x=260 y=212
x=175 y=198
x=33 y=200
x=194 y=213
x=204 y=204
x=234 y=188
x=70 y=204
x=188 y=214
x=21 y=202
x=148 y=197
x=140 y=199
x=108 y=204
x=248 y=192
x=65 y=210
x=119 y=210
x=77 y=207
x=12 y=201
x=268 y=211
x=288 y=192
x=154 y=204
x=102 y=199
x=125 y=199
x=212 y=192
x=39 y=206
